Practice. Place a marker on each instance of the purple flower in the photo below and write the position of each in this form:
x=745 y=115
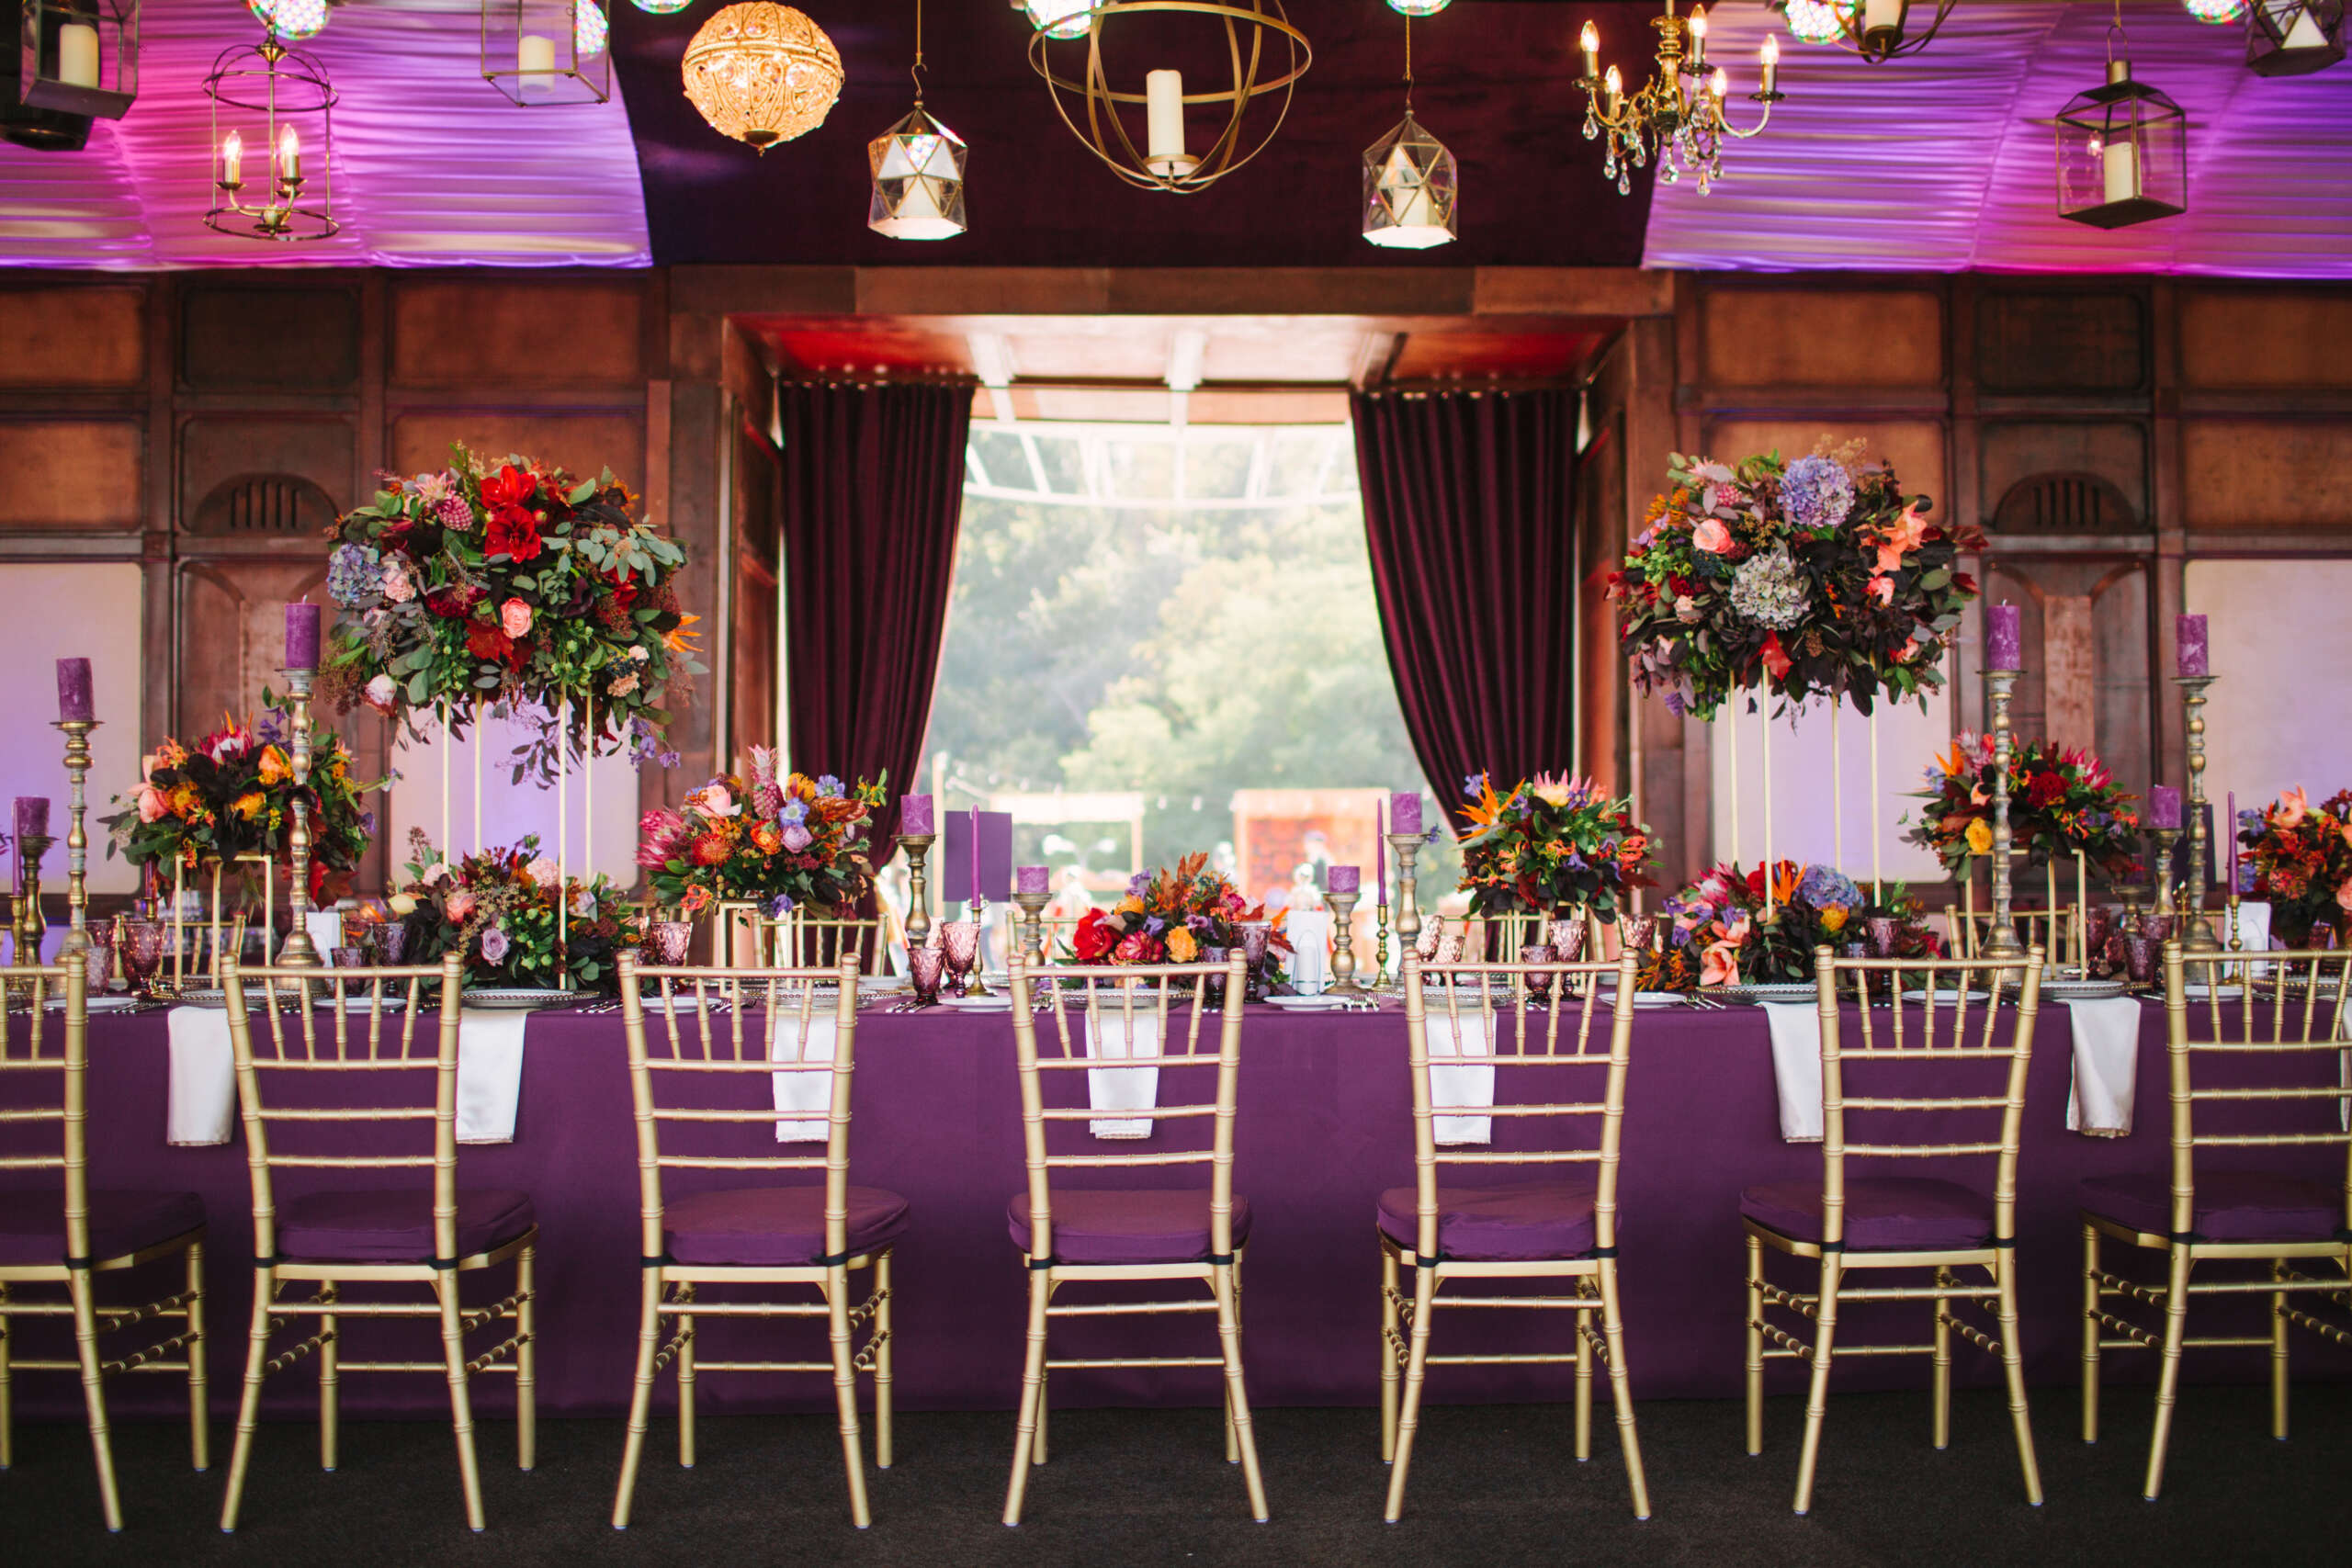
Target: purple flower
x=1816 y=493
x=793 y=811
x=2246 y=876
x=1155 y=925
x=495 y=944
x=780 y=905
x=1675 y=704
x=1137 y=883
x=367 y=823
x=1198 y=924
x=1472 y=783
x=796 y=836
x=828 y=785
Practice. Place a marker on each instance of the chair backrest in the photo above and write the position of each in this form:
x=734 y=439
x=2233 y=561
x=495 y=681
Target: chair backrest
x=1169 y=1001
x=1945 y=1023
x=2256 y=1015
x=1054 y=931
x=696 y=1064
x=1500 y=938
x=368 y=1084
x=1513 y=1016
x=799 y=940
x=2058 y=925
x=33 y=1046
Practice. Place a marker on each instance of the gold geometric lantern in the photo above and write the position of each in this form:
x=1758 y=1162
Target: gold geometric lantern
x=2292 y=38
x=1410 y=190
x=918 y=171
x=545 y=52
x=762 y=74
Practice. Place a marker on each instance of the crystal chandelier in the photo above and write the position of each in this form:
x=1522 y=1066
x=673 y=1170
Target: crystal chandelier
x=1875 y=29
x=762 y=74
x=918 y=171
x=1681 y=124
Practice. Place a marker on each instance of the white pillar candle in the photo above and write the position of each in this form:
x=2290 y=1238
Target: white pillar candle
x=535 y=57
x=1164 y=116
x=78 y=54
x=1878 y=14
x=2120 y=162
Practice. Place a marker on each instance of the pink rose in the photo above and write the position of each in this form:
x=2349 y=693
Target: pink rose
x=398 y=588
x=514 y=617
x=2344 y=895
x=1711 y=536
x=460 y=906
x=153 y=807
x=796 y=836
x=2293 y=808
x=1686 y=610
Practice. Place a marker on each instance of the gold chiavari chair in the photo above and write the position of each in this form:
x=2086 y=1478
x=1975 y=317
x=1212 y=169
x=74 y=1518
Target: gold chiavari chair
x=2057 y=926
x=691 y=1074
x=1551 y=1229
x=2282 y=1021
x=71 y=1235
x=801 y=941
x=347 y=1088
x=1076 y=1233
x=1851 y=1224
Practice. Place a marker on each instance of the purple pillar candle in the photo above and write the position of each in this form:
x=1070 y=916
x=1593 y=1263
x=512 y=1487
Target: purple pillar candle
x=2196 y=650
x=2004 y=638
x=914 y=816
x=1405 y=812
x=1030 y=879
x=1345 y=879
x=73 y=694
x=301 y=635
x=2164 y=807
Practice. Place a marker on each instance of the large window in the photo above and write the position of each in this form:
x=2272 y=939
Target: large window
x=1164 y=641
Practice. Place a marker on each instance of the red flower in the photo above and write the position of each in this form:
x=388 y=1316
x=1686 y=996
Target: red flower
x=712 y=849
x=508 y=486
x=2046 y=790
x=1964 y=582
x=1090 y=941
x=1776 y=658
x=486 y=641
x=515 y=534
x=453 y=603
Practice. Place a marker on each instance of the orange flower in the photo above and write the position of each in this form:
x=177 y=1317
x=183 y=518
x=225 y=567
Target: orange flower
x=683 y=639
x=275 y=768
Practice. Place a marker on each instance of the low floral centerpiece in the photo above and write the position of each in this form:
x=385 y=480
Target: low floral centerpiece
x=509 y=583
x=778 y=843
x=2298 y=856
x=1170 y=916
x=230 y=795
x=517 y=922
x=1549 y=846
x=1721 y=929
x=1815 y=576
x=2062 y=801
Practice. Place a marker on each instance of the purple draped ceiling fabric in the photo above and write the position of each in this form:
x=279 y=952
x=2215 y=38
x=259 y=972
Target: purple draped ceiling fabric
x=873 y=493
x=1469 y=508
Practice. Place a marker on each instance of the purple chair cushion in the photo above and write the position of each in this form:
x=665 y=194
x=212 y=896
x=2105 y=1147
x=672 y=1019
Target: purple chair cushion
x=1521 y=1219
x=395 y=1226
x=774 y=1227
x=1154 y=1225
x=2231 y=1205
x=1883 y=1213
x=32 y=1223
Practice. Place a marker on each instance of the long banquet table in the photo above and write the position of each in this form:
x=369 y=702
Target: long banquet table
x=1324 y=1127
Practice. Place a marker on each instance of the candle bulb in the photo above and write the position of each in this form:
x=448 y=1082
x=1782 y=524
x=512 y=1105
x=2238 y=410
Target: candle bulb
x=1615 y=86
x=78 y=54
x=2164 y=807
x=1164 y=124
x=233 y=161
x=914 y=816
x=1719 y=83
x=1590 y=42
x=1698 y=37
x=2196 y=649
x=289 y=157
x=302 y=636
x=1772 y=58
x=1344 y=879
x=74 y=700
x=2004 y=638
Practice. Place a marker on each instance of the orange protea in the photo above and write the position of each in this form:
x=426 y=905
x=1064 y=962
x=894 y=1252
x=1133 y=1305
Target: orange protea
x=711 y=848
x=767 y=838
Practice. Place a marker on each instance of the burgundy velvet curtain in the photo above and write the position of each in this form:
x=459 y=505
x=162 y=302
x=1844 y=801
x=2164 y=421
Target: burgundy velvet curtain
x=1469 y=508
x=873 y=493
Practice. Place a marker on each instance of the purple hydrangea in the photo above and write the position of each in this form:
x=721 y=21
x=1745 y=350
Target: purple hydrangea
x=1816 y=493
x=1822 y=887
x=353 y=579
x=495 y=944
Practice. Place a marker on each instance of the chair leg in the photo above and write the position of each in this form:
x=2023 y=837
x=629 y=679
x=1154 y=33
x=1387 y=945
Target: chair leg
x=7 y=1398
x=684 y=1301
x=1941 y=1421
x=199 y=1415
x=1816 y=1401
x=1033 y=1388
x=2278 y=1353
x=2091 y=1332
x=882 y=1362
x=1583 y=1327
x=2005 y=1272
x=462 y=1405
x=1388 y=1338
x=1232 y=1434
x=2168 y=1380
x=1408 y=1418
x=640 y=1400
x=1755 y=1346
x=1223 y=1278
x=249 y=1405
x=330 y=1380
x=845 y=1389
x=94 y=1393
x=527 y=1357
x=1621 y=1387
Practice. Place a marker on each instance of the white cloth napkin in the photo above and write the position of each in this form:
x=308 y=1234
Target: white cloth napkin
x=1452 y=1037
x=325 y=927
x=803 y=1091
x=1108 y=1037
x=2254 y=933
x=1310 y=937
x=1796 y=1067
x=2107 y=1067
x=200 y=1106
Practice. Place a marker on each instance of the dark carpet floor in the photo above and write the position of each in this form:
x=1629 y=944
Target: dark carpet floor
x=1491 y=1485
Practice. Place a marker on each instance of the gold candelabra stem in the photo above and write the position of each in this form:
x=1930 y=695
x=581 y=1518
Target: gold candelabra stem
x=27 y=925
x=979 y=908
x=2162 y=892
x=918 y=848
x=77 y=837
x=2197 y=933
x=299 y=952
x=1380 y=937
x=2001 y=942
x=1405 y=846
x=2237 y=941
x=1033 y=926
x=1343 y=952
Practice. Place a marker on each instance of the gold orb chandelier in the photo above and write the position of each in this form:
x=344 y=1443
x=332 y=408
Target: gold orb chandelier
x=762 y=74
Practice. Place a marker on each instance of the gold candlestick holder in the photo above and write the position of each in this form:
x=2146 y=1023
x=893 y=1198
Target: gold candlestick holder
x=978 y=909
x=2236 y=941
x=1405 y=846
x=1033 y=926
x=77 y=837
x=918 y=848
x=1380 y=938
x=2162 y=894
x=299 y=952
x=1343 y=950
x=27 y=925
x=2001 y=942
x=2197 y=931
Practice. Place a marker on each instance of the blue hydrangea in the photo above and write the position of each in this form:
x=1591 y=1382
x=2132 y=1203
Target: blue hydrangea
x=353 y=579
x=1821 y=887
x=1816 y=493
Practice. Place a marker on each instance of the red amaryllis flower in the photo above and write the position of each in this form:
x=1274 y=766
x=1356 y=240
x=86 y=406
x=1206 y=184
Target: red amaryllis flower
x=1090 y=941
x=508 y=486
x=1776 y=658
x=486 y=641
x=453 y=602
x=513 y=534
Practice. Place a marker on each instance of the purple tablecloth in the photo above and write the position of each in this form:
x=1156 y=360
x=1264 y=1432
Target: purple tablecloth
x=1324 y=1127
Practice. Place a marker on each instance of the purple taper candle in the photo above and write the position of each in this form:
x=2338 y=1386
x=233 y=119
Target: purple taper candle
x=1405 y=811
x=2232 y=834
x=1030 y=879
x=2004 y=638
x=74 y=690
x=301 y=635
x=976 y=854
x=2164 y=807
x=914 y=816
x=2196 y=649
x=1344 y=879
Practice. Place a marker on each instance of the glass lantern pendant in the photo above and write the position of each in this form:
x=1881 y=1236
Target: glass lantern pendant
x=1061 y=18
x=80 y=57
x=2122 y=154
x=918 y=168
x=2293 y=37
x=1410 y=190
x=546 y=51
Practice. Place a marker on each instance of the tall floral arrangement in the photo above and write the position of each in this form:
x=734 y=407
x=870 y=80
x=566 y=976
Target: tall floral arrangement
x=2298 y=856
x=1720 y=927
x=2061 y=800
x=1551 y=844
x=1169 y=916
x=515 y=919
x=775 y=842
x=1818 y=576
x=509 y=583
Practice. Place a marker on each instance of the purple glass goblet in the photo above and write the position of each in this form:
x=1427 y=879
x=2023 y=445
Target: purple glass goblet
x=389 y=943
x=1638 y=932
x=2140 y=959
x=1566 y=937
x=924 y=968
x=1539 y=984
x=1256 y=935
x=670 y=941
x=1882 y=929
x=1212 y=986
x=142 y=944
x=962 y=946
